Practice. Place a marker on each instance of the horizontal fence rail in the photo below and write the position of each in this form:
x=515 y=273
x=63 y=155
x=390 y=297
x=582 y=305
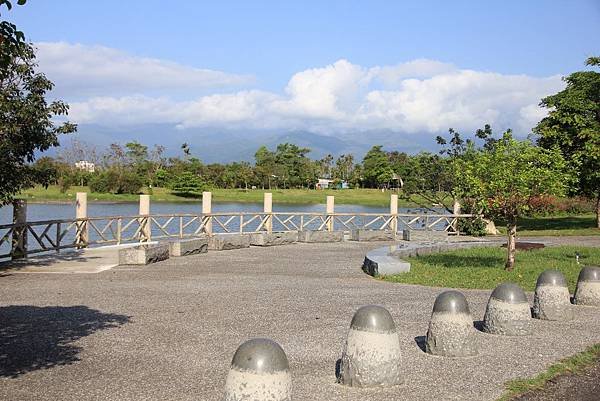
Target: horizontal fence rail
x=22 y=239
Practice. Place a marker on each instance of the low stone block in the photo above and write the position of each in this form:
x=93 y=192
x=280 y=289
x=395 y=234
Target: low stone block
x=188 y=246
x=320 y=236
x=144 y=254
x=272 y=239
x=223 y=242
x=371 y=235
x=424 y=235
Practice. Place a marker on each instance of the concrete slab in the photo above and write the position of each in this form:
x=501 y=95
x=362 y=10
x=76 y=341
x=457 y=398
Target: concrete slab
x=372 y=235
x=187 y=246
x=272 y=239
x=320 y=236
x=424 y=235
x=144 y=254
x=224 y=242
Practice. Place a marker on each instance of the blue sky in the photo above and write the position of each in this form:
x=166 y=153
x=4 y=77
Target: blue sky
x=332 y=67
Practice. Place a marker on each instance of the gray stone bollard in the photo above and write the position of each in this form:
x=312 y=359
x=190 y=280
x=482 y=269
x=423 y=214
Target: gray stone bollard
x=552 y=298
x=259 y=371
x=371 y=355
x=507 y=312
x=588 y=287
x=451 y=331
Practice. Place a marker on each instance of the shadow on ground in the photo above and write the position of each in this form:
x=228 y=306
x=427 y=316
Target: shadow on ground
x=33 y=337
x=450 y=260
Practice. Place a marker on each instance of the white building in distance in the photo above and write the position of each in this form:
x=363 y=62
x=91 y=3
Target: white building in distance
x=85 y=166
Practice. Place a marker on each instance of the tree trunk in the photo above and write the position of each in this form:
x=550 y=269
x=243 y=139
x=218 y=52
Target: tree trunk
x=598 y=211
x=511 y=246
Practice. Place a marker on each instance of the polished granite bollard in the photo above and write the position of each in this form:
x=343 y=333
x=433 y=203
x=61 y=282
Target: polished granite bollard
x=259 y=371
x=451 y=332
x=507 y=312
x=588 y=287
x=371 y=355
x=552 y=298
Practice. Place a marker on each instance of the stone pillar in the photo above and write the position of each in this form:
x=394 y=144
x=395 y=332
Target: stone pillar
x=146 y=230
x=207 y=209
x=19 y=234
x=394 y=213
x=268 y=210
x=81 y=213
x=330 y=211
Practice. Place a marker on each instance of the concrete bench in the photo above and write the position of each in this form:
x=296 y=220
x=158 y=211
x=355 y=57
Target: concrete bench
x=382 y=261
x=271 y=239
x=143 y=254
x=424 y=235
x=362 y=234
x=320 y=236
x=223 y=242
x=187 y=246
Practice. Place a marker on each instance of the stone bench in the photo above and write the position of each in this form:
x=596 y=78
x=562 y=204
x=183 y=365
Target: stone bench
x=187 y=246
x=224 y=242
x=362 y=234
x=272 y=239
x=320 y=236
x=143 y=254
x=381 y=261
x=424 y=235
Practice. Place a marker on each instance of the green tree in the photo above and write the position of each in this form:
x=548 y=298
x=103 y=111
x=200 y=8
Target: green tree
x=188 y=184
x=27 y=121
x=502 y=179
x=573 y=125
x=265 y=166
x=377 y=169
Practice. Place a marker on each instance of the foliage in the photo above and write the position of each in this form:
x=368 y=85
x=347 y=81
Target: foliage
x=474 y=227
x=26 y=119
x=116 y=181
x=483 y=267
x=377 y=170
x=188 y=184
x=502 y=179
x=573 y=126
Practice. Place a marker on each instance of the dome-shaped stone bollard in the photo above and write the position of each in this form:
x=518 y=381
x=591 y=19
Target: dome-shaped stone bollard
x=371 y=355
x=507 y=312
x=451 y=331
x=588 y=287
x=552 y=298
x=259 y=371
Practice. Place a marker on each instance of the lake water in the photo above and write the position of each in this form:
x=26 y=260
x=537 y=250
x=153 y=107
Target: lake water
x=54 y=211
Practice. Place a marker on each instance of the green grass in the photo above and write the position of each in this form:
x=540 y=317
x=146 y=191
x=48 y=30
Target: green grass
x=573 y=365
x=484 y=267
x=584 y=224
x=368 y=197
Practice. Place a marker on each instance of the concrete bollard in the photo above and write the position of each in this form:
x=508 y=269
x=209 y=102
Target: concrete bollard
x=371 y=355
x=451 y=331
x=259 y=371
x=552 y=298
x=588 y=287
x=507 y=312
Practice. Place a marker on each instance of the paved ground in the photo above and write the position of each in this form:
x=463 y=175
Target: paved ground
x=168 y=331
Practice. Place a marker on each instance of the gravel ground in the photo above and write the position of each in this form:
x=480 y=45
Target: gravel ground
x=168 y=331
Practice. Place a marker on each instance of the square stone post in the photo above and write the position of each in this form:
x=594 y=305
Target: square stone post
x=330 y=211
x=81 y=213
x=206 y=211
x=19 y=234
x=145 y=223
x=394 y=213
x=268 y=210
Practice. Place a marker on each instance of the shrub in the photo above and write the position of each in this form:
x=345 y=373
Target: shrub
x=474 y=227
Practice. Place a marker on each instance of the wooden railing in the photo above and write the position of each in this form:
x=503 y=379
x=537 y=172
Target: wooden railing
x=22 y=239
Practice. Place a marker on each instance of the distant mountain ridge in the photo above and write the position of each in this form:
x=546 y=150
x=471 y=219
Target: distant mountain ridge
x=213 y=146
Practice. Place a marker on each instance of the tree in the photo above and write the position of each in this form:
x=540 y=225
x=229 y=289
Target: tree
x=377 y=169
x=187 y=184
x=573 y=125
x=502 y=179
x=27 y=121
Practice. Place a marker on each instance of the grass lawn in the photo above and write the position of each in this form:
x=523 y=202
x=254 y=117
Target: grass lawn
x=575 y=364
x=584 y=224
x=484 y=267
x=368 y=197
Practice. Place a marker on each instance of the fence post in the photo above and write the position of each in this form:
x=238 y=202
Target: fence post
x=394 y=213
x=19 y=234
x=207 y=209
x=268 y=210
x=146 y=225
x=82 y=226
x=330 y=212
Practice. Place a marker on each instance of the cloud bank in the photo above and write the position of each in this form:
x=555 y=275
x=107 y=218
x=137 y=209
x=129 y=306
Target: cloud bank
x=110 y=87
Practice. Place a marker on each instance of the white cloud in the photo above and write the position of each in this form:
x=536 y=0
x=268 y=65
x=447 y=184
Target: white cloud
x=419 y=96
x=98 y=70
